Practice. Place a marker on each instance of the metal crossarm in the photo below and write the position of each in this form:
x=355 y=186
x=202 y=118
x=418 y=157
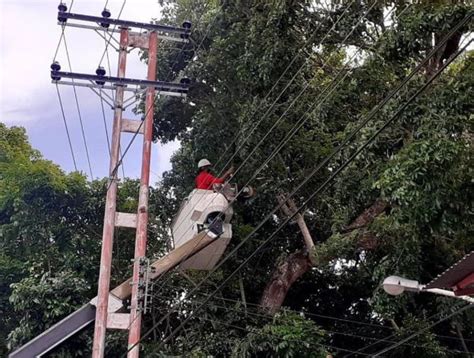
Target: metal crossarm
x=122 y=81
x=64 y=16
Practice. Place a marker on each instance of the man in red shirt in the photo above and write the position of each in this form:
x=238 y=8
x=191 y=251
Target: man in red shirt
x=205 y=179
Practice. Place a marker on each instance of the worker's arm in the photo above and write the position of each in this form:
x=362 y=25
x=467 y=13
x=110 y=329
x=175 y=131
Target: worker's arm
x=227 y=174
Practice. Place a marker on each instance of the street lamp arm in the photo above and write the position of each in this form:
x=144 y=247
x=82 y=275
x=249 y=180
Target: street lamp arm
x=395 y=285
x=438 y=291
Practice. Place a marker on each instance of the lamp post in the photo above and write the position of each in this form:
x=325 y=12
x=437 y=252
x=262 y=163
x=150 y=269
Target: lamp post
x=395 y=285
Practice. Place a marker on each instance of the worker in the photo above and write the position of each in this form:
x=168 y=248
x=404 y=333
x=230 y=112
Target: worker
x=205 y=179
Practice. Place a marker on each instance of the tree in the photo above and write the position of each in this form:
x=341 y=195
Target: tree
x=404 y=206
x=417 y=167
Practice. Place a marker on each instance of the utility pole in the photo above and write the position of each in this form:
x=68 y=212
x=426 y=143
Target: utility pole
x=106 y=302
x=110 y=209
x=142 y=215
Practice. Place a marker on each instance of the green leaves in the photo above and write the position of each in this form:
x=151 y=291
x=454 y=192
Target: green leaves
x=289 y=335
x=42 y=299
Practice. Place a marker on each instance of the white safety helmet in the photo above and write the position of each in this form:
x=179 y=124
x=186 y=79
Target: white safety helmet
x=203 y=163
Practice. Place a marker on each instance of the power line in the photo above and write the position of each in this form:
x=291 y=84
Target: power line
x=323 y=186
x=260 y=315
x=434 y=316
x=269 y=334
x=253 y=311
x=61 y=37
x=272 y=105
x=417 y=333
x=246 y=311
x=293 y=78
x=106 y=128
x=333 y=318
x=290 y=64
x=66 y=127
x=63 y=26
x=300 y=94
x=79 y=111
x=104 y=120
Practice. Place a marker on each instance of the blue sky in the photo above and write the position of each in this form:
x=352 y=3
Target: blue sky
x=29 y=35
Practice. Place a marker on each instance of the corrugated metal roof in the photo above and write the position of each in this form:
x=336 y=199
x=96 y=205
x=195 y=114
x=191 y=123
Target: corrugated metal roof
x=455 y=273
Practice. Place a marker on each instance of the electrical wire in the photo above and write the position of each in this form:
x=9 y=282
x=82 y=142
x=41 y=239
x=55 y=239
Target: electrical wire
x=66 y=127
x=294 y=77
x=334 y=153
x=254 y=310
x=269 y=334
x=63 y=26
x=61 y=37
x=79 y=111
x=261 y=315
x=333 y=318
x=417 y=333
x=393 y=92
x=105 y=121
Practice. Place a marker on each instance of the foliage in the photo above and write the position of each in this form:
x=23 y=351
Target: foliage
x=289 y=335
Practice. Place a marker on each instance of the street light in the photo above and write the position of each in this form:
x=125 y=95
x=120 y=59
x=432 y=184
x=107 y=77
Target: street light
x=395 y=285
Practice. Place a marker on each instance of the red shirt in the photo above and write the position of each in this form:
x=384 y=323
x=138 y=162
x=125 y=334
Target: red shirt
x=204 y=180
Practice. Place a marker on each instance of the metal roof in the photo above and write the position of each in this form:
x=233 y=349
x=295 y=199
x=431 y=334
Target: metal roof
x=455 y=273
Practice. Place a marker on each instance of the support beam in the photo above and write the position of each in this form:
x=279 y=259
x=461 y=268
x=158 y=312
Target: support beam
x=133 y=90
x=132 y=126
x=113 y=30
x=140 y=41
x=126 y=220
x=118 y=321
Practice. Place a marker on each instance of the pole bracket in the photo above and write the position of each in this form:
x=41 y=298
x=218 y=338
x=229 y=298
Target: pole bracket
x=125 y=220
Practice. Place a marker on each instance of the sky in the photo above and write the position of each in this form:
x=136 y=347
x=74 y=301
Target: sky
x=29 y=36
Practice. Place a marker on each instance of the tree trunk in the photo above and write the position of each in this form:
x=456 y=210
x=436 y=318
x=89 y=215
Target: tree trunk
x=299 y=262
x=283 y=277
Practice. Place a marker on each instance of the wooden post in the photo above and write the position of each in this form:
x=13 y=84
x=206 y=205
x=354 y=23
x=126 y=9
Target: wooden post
x=289 y=209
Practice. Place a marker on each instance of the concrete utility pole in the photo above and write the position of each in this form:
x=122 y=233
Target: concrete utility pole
x=142 y=215
x=106 y=303
x=110 y=210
